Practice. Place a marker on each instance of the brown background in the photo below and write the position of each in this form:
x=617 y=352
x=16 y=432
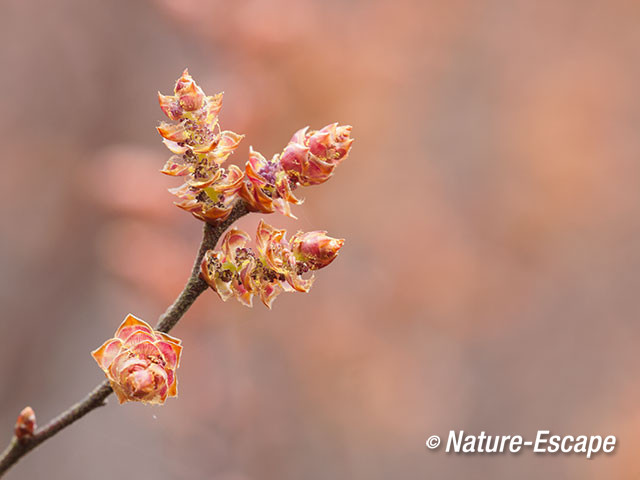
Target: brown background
x=490 y=205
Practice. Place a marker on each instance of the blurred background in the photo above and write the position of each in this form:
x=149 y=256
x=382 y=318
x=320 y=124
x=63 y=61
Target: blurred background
x=490 y=204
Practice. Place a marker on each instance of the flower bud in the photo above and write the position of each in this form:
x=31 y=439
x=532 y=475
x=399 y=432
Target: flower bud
x=308 y=159
x=331 y=143
x=190 y=95
x=316 y=249
x=26 y=424
x=327 y=148
x=140 y=363
x=200 y=148
x=278 y=266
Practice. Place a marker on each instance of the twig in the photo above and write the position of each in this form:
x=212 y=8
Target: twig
x=97 y=397
x=195 y=285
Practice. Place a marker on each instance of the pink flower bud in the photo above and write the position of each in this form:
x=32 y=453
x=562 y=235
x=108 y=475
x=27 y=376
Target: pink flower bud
x=309 y=159
x=26 y=424
x=199 y=149
x=279 y=266
x=327 y=147
x=316 y=249
x=140 y=363
x=190 y=95
x=330 y=143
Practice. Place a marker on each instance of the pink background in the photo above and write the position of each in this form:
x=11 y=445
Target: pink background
x=491 y=207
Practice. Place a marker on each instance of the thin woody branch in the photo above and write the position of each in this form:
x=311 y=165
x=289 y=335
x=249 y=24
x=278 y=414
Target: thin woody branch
x=18 y=448
x=195 y=285
x=140 y=361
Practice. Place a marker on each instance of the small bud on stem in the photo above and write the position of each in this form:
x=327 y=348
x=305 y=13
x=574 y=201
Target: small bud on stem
x=140 y=363
x=26 y=424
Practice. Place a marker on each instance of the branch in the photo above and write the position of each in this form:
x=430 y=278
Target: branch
x=195 y=285
x=97 y=397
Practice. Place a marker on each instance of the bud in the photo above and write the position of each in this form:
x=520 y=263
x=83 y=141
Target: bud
x=326 y=148
x=331 y=143
x=316 y=249
x=26 y=424
x=279 y=265
x=140 y=363
x=190 y=95
x=199 y=149
x=308 y=159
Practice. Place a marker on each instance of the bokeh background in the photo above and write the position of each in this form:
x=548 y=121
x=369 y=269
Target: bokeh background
x=491 y=207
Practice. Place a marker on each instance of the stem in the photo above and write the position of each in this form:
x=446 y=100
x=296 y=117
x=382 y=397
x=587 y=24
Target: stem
x=195 y=285
x=18 y=448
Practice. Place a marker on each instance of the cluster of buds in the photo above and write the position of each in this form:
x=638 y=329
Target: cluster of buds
x=140 y=363
x=309 y=158
x=200 y=148
x=279 y=265
x=25 y=425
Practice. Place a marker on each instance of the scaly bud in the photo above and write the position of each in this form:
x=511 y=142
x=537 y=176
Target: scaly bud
x=190 y=95
x=26 y=424
x=140 y=363
x=316 y=249
x=308 y=159
x=199 y=149
x=279 y=265
x=327 y=148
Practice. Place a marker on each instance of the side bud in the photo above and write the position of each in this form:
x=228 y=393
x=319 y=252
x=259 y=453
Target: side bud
x=199 y=149
x=331 y=143
x=311 y=157
x=26 y=424
x=140 y=363
x=278 y=265
x=190 y=95
x=315 y=249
